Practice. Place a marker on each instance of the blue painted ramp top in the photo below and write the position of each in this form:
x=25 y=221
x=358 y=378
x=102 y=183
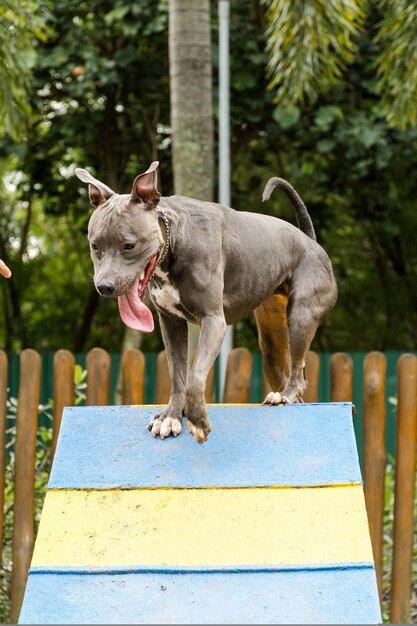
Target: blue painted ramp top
x=292 y=445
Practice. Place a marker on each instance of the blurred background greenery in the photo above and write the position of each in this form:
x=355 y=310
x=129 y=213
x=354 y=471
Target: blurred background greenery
x=322 y=93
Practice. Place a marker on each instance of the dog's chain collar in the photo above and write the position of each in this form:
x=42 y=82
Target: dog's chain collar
x=161 y=214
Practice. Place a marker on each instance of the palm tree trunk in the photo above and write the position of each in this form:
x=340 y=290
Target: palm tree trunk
x=191 y=97
x=191 y=105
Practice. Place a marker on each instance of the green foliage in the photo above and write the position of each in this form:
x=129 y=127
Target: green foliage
x=80 y=382
x=101 y=100
x=310 y=44
x=387 y=538
x=354 y=171
x=397 y=61
x=23 y=23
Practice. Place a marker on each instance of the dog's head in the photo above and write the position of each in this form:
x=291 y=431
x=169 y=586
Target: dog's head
x=125 y=242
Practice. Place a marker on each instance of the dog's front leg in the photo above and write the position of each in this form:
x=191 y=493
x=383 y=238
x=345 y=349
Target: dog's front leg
x=174 y=333
x=212 y=331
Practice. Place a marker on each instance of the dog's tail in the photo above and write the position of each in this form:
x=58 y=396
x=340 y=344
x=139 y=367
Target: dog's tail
x=303 y=218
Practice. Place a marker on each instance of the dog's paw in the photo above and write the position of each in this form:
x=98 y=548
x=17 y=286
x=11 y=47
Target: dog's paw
x=201 y=431
x=292 y=399
x=274 y=398
x=197 y=415
x=165 y=426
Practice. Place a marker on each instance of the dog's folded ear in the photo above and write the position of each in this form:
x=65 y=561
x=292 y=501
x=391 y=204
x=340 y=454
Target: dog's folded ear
x=96 y=190
x=144 y=187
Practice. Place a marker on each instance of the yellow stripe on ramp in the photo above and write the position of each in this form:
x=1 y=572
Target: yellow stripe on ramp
x=203 y=527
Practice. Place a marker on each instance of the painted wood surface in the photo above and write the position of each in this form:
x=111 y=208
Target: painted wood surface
x=250 y=445
x=342 y=596
x=203 y=527
x=264 y=523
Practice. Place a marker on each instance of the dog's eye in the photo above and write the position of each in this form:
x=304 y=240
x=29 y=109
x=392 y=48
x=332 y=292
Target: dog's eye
x=129 y=246
x=94 y=246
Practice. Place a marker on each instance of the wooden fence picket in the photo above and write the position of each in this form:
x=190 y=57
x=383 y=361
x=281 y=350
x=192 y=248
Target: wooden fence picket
x=405 y=466
x=266 y=387
x=3 y=423
x=162 y=383
x=162 y=379
x=374 y=458
x=238 y=377
x=133 y=376
x=64 y=363
x=312 y=370
x=25 y=454
x=98 y=377
x=341 y=377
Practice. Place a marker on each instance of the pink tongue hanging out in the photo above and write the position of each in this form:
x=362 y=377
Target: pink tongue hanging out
x=133 y=312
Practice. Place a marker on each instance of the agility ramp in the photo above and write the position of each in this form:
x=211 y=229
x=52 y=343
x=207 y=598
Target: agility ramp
x=263 y=523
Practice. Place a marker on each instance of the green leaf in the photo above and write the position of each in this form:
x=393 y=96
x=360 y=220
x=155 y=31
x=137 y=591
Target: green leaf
x=57 y=57
x=242 y=81
x=396 y=63
x=79 y=374
x=286 y=118
x=310 y=44
x=125 y=55
x=116 y=14
x=157 y=25
x=325 y=145
x=369 y=136
x=326 y=115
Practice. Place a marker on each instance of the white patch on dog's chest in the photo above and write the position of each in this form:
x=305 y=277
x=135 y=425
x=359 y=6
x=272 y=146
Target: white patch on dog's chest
x=164 y=295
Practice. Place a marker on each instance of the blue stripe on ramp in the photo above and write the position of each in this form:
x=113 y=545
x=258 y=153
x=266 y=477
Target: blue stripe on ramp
x=250 y=445
x=296 y=597
x=194 y=569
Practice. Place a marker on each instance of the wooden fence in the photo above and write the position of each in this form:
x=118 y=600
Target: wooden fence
x=236 y=390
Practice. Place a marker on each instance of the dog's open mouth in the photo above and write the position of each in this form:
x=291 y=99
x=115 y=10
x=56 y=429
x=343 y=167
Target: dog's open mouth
x=133 y=312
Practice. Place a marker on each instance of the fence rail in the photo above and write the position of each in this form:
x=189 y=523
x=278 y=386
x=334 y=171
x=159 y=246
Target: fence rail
x=236 y=390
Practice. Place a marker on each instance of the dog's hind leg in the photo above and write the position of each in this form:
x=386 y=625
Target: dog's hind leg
x=312 y=296
x=271 y=320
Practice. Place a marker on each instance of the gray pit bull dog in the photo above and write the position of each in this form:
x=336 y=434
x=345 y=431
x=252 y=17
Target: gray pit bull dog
x=210 y=265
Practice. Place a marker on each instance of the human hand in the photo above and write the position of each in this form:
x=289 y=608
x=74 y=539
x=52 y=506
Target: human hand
x=4 y=270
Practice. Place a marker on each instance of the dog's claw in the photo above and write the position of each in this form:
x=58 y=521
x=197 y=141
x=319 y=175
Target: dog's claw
x=155 y=427
x=274 y=398
x=165 y=426
x=200 y=434
x=165 y=429
x=176 y=427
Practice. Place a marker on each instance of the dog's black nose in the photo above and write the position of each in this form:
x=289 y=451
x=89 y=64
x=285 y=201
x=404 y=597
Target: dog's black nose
x=106 y=288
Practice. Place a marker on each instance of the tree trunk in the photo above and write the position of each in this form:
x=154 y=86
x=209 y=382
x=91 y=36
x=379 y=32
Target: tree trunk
x=191 y=97
x=84 y=325
x=191 y=104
